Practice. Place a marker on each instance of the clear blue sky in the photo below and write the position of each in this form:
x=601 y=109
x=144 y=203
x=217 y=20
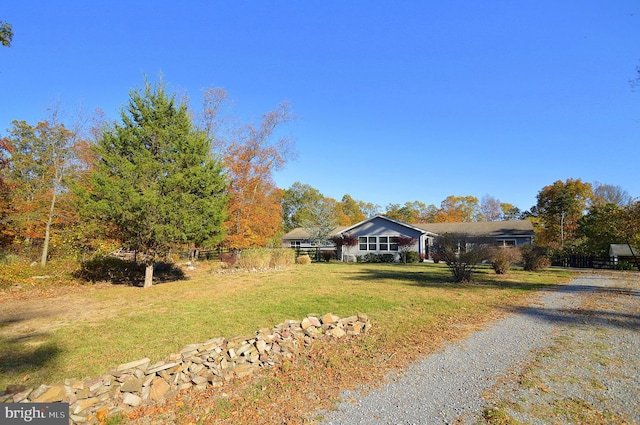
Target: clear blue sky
x=397 y=101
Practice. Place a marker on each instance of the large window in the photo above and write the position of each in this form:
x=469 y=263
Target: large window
x=377 y=243
x=506 y=242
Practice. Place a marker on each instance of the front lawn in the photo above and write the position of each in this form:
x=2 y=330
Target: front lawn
x=88 y=331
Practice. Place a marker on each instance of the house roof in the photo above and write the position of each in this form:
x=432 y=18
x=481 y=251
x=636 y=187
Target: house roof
x=302 y=233
x=512 y=228
x=622 y=250
x=400 y=223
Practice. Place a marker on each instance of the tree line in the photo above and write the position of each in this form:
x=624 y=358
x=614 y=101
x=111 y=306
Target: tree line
x=163 y=177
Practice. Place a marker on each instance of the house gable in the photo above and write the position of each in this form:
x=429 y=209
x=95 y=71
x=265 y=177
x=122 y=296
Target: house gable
x=381 y=225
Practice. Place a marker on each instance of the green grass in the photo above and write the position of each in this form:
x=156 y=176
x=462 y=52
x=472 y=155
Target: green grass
x=128 y=323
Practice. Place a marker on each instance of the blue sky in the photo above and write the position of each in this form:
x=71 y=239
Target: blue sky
x=396 y=101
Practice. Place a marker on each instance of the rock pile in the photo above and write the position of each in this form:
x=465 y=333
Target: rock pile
x=205 y=365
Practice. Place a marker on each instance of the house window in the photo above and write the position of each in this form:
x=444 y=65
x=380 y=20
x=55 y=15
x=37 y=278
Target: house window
x=384 y=243
x=506 y=242
x=295 y=244
x=377 y=243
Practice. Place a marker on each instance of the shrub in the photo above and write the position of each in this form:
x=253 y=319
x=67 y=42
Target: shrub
x=328 y=255
x=409 y=257
x=7 y=259
x=257 y=258
x=387 y=258
x=623 y=265
x=462 y=253
x=502 y=259
x=303 y=259
x=533 y=258
x=282 y=257
x=229 y=258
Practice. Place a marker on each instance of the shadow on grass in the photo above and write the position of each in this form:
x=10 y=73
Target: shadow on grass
x=590 y=317
x=122 y=272
x=440 y=278
x=569 y=316
x=23 y=354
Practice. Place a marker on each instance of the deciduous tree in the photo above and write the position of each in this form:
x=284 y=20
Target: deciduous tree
x=344 y=241
x=490 y=209
x=510 y=211
x=298 y=204
x=610 y=194
x=369 y=209
x=6 y=34
x=559 y=207
x=412 y=212
x=457 y=209
x=602 y=226
x=320 y=224
x=5 y=193
x=255 y=201
x=350 y=211
x=405 y=245
x=157 y=180
x=43 y=160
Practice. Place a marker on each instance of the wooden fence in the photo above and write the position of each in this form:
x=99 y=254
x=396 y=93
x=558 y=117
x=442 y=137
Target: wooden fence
x=591 y=262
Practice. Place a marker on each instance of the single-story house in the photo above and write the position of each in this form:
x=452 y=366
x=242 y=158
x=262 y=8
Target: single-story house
x=623 y=252
x=377 y=235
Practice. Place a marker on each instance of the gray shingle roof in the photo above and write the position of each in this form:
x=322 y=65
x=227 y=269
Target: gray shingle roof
x=512 y=228
x=622 y=250
x=482 y=228
x=301 y=233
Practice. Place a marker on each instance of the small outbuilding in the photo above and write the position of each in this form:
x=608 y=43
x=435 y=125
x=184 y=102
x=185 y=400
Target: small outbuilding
x=623 y=252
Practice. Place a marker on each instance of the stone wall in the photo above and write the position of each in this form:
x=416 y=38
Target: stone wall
x=205 y=365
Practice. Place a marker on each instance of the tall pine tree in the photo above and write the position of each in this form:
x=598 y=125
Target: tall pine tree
x=156 y=180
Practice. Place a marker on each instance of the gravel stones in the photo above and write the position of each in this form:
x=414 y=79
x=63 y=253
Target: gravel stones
x=449 y=386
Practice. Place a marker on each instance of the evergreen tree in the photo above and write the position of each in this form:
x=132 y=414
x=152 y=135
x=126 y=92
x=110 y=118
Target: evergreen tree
x=156 y=180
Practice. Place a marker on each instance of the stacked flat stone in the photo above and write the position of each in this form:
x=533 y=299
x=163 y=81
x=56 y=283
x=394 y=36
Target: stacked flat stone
x=197 y=366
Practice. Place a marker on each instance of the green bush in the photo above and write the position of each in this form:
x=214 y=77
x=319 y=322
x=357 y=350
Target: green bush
x=409 y=257
x=623 y=265
x=387 y=258
x=375 y=258
x=371 y=258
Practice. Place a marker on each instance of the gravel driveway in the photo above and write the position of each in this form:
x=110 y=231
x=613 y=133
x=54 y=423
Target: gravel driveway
x=572 y=356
